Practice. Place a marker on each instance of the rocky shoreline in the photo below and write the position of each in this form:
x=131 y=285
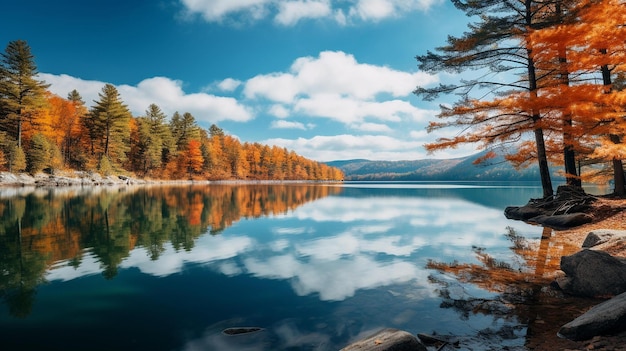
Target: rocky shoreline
x=75 y=178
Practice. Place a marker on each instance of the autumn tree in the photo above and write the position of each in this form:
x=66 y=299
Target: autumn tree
x=593 y=45
x=43 y=153
x=497 y=46
x=21 y=95
x=108 y=125
x=193 y=158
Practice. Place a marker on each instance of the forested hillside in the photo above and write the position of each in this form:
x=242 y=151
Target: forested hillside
x=464 y=168
x=40 y=131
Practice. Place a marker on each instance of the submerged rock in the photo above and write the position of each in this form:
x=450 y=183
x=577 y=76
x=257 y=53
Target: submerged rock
x=388 y=340
x=241 y=330
x=606 y=317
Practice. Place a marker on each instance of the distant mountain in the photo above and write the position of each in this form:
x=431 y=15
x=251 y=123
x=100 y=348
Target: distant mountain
x=495 y=169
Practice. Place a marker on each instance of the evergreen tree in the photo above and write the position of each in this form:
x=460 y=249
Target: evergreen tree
x=39 y=154
x=155 y=138
x=109 y=126
x=17 y=159
x=184 y=129
x=74 y=146
x=21 y=94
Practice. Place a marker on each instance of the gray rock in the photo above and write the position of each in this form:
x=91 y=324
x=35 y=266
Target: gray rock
x=563 y=221
x=600 y=319
x=603 y=236
x=522 y=213
x=593 y=273
x=388 y=340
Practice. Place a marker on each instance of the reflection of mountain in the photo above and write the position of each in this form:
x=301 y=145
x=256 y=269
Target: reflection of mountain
x=40 y=227
x=487 y=194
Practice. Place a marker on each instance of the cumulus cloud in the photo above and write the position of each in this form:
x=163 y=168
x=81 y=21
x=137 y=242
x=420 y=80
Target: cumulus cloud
x=229 y=84
x=165 y=92
x=372 y=127
x=335 y=73
x=282 y=124
x=290 y=12
x=336 y=86
x=346 y=146
x=279 y=111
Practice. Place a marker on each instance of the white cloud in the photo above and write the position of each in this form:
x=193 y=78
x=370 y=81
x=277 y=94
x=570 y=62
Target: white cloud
x=290 y=12
x=166 y=93
x=217 y=10
x=279 y=111
x=335 y=86
x=335 y=73
x=229 y=84
x=372 y=127
x=345 y=146
x=282 y=124
x=376 y=10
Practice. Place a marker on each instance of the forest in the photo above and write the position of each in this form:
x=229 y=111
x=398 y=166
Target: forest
x=545 y=81
x=43 y=132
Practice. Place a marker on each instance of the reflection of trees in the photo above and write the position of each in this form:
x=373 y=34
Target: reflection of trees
x=21 y=269
x=521 y=284
x=46 y=226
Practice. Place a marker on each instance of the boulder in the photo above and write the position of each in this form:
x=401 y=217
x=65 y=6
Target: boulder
x=522 y=213
x=609 y=316
x=563 y=221
x=592 y=273
x=602 y=239
x=388 y=340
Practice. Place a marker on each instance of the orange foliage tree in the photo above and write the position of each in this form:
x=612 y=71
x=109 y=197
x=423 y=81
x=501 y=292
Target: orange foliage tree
x=554 y=51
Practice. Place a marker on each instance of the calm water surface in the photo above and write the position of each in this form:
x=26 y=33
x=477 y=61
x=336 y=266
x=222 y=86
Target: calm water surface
x=316 y=266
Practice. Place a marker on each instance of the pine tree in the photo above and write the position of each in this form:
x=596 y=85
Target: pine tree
x=21 y=94
x=184 y=129
x=39 y=154
x=109 y=126
x=17 y=159
x=75 y=138
x=155 y=138
x=498 y=46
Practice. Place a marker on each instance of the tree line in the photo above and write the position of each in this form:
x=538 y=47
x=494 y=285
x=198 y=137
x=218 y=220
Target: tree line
x=547 y=77
x=40 y=131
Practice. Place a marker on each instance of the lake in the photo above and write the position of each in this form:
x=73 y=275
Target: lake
x=316 y=266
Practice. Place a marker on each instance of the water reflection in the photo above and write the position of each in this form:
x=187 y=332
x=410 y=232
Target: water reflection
x=522 y=286
x=83 y=231
x=315 y=265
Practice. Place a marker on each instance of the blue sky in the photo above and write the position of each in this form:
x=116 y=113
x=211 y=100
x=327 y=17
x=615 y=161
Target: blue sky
x=329 y=79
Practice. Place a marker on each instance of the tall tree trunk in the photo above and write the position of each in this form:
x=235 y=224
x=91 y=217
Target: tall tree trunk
x=569 y=154
x=542 y=159
x=618 y=167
